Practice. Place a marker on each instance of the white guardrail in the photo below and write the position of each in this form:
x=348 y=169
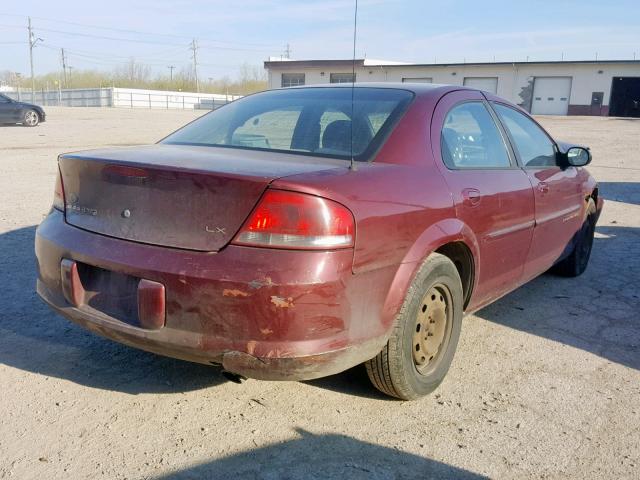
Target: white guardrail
x=124 y=98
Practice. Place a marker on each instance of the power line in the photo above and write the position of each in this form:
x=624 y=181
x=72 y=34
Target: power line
x=139 y=32
x=161 y=56
x=111 y=59
x=148 y=42
x=104 y=37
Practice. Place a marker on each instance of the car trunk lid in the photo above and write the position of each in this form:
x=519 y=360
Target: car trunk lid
x=176 y=196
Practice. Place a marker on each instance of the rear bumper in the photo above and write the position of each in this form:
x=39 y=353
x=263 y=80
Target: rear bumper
x=265 y=314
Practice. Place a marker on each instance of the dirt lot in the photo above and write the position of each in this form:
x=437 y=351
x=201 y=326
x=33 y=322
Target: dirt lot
x=545 y=384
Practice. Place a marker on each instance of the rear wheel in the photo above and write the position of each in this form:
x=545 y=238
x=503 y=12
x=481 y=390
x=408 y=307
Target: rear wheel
x=576 y=263
x=30 y=118
x=424 y=338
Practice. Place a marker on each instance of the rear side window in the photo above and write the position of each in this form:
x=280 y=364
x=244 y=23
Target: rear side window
x=471 y=139
x=315 y=121
x=533 y=145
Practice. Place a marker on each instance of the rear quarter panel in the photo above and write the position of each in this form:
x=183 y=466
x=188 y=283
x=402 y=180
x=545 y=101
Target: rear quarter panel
x=402 y=206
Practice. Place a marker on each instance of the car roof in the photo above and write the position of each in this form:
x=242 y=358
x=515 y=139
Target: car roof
x=420 y=89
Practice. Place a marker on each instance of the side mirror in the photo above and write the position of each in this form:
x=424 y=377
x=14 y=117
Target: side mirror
x=578 y=156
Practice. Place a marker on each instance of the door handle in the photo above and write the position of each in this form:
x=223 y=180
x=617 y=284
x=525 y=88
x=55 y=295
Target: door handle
x=471 y=197
x=543 y=187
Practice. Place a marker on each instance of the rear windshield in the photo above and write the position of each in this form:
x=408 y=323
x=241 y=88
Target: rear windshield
x=315 y=121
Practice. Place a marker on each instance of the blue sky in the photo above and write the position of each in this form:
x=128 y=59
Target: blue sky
x=157 y=32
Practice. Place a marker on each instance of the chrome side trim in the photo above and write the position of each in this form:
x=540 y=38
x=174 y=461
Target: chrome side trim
x=568 y=213
x=510 y=229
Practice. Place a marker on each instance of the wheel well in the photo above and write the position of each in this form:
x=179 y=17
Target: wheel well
x=462 y=258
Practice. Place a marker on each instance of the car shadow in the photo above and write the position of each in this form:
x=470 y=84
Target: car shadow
x=35 y=339
x=596 y=312
x=626 y=192
x=312 y=456
x=602 y=321
x=351 y=382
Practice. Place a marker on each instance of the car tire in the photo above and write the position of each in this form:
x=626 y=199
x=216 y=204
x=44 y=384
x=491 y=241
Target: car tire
x=30 y=118
x=576 y=263
x=412 y=363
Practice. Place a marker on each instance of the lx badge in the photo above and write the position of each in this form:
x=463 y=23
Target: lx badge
x=223 y=230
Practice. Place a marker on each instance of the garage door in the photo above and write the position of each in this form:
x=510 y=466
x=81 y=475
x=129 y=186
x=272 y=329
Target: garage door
x=551 y=95
x=486 y=84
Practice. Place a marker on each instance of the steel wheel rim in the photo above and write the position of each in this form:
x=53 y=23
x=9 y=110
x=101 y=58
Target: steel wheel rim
x=31 y=118
x=432 y=328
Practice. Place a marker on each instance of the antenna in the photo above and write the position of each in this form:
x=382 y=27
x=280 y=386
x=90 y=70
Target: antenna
x=352 y=165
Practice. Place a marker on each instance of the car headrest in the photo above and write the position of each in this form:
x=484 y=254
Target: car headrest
x=337 y=136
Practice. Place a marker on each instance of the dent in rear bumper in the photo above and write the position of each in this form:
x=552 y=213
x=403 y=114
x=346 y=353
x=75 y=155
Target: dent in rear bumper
x=306 y=367
x=298 y=317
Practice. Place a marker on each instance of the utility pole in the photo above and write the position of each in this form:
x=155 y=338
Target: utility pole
x=287 y=52
x=194 y=48
x=171 y=67
x=64 y=67
x=32 y=43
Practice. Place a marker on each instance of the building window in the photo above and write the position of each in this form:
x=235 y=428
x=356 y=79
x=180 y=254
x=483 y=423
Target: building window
x=342 y=78
x=417 y=80
x=292 y=79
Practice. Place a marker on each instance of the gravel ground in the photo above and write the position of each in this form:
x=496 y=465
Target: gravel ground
x=545 y=383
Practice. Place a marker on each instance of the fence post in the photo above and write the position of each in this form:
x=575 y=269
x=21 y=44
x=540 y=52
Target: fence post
x=166 y=97
x=149 y=101
x=183 y=102
x=131 y=99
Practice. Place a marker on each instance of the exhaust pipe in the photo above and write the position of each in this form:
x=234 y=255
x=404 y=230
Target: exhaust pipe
x=233 y=377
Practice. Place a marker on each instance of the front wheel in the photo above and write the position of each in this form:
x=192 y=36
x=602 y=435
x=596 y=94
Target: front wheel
x=30 y=118
x=420 y=349
x=576 y=263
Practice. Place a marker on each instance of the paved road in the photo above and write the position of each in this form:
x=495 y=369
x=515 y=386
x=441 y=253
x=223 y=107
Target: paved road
x=545 y=384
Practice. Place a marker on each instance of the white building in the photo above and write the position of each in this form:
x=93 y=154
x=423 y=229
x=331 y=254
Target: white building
x=607 y=87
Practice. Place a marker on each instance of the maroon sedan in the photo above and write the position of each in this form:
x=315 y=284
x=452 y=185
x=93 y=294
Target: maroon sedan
x=296 y=233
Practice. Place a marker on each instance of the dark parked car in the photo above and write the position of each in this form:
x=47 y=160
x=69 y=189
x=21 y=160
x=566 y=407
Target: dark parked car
x=295 y=233
x=12 y=111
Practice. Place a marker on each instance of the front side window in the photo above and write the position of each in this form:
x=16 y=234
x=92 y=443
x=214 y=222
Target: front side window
x=4 y=99
x=532 y=143
x=315 y=121
x=292 y=80
x=471 y=139
x=342 y=78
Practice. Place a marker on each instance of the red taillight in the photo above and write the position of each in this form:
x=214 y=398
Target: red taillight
x=58 y=193
x=297 y=220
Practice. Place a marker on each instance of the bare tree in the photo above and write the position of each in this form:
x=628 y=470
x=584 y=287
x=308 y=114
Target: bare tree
x=133 y=73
